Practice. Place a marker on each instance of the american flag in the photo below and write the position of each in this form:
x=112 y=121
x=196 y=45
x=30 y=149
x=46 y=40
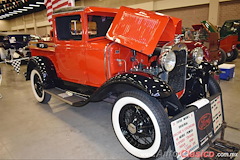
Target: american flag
x=56 y=4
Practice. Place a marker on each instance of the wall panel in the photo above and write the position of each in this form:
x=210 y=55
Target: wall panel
x=41 y=16
x=30 y=30
x=42 y=31
x=228 y=11
x=189 y=15
x=110 y=3
x=5 y=25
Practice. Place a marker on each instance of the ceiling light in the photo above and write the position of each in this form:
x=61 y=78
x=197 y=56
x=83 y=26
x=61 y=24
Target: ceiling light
x=39 y=2
x=34 y=5
x=17 y=11
x=13 y=12
x=28 y=7
x=22 y=9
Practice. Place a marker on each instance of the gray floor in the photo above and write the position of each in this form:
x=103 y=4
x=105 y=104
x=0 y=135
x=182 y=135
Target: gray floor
x=30 y=130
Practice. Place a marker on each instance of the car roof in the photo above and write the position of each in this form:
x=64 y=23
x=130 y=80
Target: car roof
x=12 y=33
x=234 y=20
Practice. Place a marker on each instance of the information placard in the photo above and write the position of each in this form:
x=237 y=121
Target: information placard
x=185 y=134
x=217 y=116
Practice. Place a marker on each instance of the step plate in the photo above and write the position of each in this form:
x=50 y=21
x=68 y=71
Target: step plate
x=66 y=96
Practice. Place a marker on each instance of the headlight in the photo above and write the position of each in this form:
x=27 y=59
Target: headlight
x=197 y=54
x=168 y=60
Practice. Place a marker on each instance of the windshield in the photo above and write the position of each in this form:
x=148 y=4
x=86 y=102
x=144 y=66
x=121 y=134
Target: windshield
x=196 y=35
x=232 y=27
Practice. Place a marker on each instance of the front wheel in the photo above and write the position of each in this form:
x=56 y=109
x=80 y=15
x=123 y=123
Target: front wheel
x=141 y=124
x=213 y=86
x=36 y=83
x=223 y=56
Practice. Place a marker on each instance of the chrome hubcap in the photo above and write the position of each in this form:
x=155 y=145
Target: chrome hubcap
x=132 y=128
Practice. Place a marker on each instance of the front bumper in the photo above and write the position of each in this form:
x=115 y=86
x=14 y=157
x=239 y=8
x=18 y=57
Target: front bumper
x=193 y=128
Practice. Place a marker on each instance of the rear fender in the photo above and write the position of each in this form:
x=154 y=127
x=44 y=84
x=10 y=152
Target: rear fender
x=131 y=81
x=46 y=69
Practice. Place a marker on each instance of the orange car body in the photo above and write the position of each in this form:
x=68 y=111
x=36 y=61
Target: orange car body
x=90 y=61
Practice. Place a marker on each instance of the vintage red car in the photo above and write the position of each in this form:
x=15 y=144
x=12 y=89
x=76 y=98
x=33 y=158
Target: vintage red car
x=208 y=42
x=220 y=48
x=132 y=57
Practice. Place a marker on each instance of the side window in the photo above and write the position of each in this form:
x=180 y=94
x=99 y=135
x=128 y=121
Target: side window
x=98 y=25
x=69 y=28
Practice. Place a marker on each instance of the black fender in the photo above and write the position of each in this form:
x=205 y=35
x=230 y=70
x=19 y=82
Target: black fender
x=150 y=84
x=208 y=67
x=46 y=69
x=197 y=84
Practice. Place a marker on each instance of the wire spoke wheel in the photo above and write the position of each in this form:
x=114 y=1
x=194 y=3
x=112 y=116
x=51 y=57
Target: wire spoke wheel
x=141 y=124
x=137 y=126
x=37 y=87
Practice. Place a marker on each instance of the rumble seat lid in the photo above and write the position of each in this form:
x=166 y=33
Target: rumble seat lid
x=141 y=30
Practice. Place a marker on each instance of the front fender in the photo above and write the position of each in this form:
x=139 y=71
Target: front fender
x=208 y=67
x=135 y=80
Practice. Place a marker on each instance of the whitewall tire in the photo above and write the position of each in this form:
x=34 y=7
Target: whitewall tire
x=36 y=83
x=139 y=122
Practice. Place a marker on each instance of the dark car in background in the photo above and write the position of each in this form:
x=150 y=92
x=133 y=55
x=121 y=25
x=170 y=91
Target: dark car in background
x=14 y=45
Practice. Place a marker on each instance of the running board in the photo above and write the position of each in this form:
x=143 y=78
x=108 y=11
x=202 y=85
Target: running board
x=66 y=96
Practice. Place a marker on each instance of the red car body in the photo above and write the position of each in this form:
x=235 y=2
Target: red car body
x=229 y=43
x=92 y=50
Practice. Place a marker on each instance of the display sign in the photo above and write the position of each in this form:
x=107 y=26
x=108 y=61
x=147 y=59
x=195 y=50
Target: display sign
x=217 y=116
x=185 y=134
x=200 y=123
x=204 y=123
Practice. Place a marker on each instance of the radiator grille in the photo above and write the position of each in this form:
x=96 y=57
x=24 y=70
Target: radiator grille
x=177 y=77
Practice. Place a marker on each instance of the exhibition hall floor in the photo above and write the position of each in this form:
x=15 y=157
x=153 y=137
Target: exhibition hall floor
x=30 y=130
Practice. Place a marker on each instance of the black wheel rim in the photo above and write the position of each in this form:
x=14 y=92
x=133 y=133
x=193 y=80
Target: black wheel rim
x=137 y=126
x=38 y=85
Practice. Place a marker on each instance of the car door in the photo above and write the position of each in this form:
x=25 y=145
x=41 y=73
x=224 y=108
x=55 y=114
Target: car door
x=70 y=49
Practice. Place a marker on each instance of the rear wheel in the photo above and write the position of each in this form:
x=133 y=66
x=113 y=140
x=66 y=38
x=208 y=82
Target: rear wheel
x=232 y=55
x=36 y=83
x=140 y=124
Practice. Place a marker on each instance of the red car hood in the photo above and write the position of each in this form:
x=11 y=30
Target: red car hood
x=141 y=30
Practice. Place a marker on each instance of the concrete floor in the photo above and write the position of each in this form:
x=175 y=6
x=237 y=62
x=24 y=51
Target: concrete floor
x=30 y=130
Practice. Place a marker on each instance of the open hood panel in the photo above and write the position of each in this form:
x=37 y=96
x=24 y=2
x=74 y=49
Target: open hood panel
x=141 y=30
